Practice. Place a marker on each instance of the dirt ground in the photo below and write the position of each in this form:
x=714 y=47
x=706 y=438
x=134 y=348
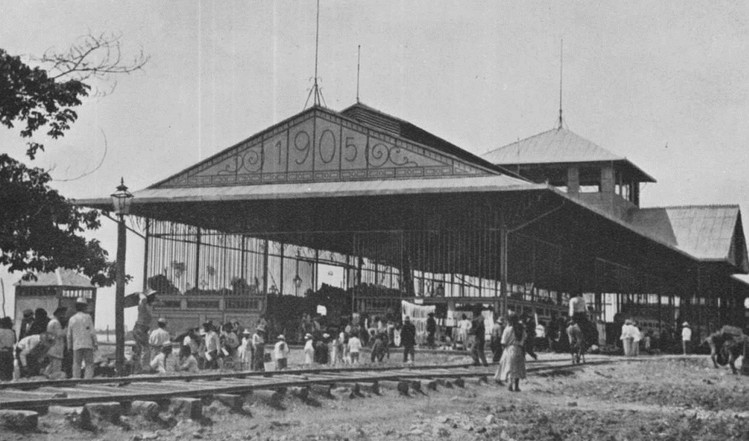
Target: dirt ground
x=664 y=398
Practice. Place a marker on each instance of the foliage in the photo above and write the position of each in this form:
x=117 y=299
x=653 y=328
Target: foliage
x=39 y=229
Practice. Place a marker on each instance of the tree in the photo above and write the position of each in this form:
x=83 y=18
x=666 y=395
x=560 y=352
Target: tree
x=39 y=229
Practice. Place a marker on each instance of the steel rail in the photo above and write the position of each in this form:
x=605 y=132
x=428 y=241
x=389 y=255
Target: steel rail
x=201 y=386
x=158 y=378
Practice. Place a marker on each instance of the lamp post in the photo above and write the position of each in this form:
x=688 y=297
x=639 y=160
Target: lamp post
x=121 y=200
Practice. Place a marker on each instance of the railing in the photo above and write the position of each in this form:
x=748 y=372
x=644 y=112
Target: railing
x=214 y=303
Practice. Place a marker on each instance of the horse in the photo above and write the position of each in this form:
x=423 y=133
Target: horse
x=578 y=345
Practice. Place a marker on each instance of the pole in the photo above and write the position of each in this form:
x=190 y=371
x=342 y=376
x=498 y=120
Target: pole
x=503 y=236
x=119 y=299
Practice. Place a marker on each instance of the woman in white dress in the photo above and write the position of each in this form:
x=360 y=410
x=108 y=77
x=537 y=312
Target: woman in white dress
x=512 y=364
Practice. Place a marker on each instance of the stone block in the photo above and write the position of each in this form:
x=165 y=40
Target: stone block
x=147 y=409
x=233 y=402
x=110 y=412
x=187 y=407
x=19 y=419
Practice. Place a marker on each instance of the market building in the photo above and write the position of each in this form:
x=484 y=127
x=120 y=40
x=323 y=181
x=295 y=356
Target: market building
x=400 y=214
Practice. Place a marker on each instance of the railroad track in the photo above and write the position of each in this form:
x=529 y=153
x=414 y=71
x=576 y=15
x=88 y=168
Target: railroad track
x=39 y=395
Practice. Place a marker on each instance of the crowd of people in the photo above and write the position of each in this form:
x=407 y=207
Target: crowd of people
x=64 y=345
x=57 y=347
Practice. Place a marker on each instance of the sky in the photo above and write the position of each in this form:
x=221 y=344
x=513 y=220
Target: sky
x=663 y=83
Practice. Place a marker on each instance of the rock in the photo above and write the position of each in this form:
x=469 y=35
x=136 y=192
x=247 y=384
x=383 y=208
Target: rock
x=233 y=402
x=489 y=419
x=149 y=435
x=19 y=419
x=147 y=409
x=188 y=407
x=65 y=411
x=416 y=432
x=110 y=412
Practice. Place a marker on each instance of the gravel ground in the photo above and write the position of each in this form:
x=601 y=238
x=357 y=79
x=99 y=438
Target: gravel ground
x=669 y=398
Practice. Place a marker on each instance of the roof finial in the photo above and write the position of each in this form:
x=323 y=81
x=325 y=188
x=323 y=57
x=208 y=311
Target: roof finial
x=561 y=71
x=358 y=69
x=315 y=91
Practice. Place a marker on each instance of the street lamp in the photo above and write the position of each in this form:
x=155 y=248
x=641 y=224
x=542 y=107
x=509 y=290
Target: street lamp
x=121 y=200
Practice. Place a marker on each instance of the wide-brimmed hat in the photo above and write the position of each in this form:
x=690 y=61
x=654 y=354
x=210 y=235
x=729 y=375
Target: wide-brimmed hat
x=81 y=301
x=161 y=320
x=326 y=335
x=246 y=332
x=628 y=322
x=281 y=337
x=307 y=336
x=685 y=324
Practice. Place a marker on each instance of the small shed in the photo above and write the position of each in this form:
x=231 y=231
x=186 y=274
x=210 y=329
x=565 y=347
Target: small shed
x=52 y=290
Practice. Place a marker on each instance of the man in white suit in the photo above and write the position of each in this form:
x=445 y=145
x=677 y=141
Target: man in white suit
x=82 y=339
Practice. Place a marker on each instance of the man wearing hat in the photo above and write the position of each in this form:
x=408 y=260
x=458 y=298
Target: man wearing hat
x=309 y=350
x=281 y=353
x=56 y=327
x=31 y=352
x=686 y=338
x=26 y=322
x=82 y=339
x=141 y=329
x=212 y=345
x=408 y=339
x=159 y=337
x=258 y=348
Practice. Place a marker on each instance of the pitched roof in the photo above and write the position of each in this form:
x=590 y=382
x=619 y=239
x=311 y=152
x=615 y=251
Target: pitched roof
x=59 y=277
x=398 y=127
x=707 y=232
x=320 y=144
x=558 y=146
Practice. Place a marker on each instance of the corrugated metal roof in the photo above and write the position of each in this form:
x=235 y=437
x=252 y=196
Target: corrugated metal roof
x=706 y=232
x=557 y=146
x=59 y=277
x=322 y=190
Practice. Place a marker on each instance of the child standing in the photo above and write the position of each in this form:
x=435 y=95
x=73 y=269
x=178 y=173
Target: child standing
x=354 y=347
x=244 y=353
x=281 y=352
